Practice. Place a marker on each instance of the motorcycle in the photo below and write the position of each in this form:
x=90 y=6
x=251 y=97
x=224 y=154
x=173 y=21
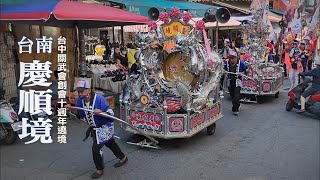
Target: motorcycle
x=10 y=125
x=312 y=105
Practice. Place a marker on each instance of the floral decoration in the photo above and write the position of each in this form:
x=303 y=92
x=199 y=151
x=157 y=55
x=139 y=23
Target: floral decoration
x=164 y=16
x=175 y=12
x=200 y=25
x=187 y=17
x=152 y=25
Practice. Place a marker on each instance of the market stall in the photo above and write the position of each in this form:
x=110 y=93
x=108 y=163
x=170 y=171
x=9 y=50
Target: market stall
x=104 y=73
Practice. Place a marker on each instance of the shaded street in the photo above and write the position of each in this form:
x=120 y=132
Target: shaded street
x=264 y=142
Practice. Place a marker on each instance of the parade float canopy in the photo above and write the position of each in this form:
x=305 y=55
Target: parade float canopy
x=68 y=14
x=142 y=6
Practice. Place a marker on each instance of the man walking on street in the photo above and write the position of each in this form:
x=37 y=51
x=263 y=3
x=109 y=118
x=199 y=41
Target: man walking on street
x=293 y=73
x=234 y=82
x=101 y=129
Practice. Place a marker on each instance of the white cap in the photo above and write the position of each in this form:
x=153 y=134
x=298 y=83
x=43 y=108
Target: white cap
x=226 y=40
x=233 y=53
x=307 y=37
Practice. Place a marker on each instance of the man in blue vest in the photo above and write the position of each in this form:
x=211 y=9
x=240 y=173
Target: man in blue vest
x=234 y=82
x=101 y=129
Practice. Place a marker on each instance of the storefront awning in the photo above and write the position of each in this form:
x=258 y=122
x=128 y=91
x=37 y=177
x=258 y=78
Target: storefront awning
x=142 y=6
x=232 y=23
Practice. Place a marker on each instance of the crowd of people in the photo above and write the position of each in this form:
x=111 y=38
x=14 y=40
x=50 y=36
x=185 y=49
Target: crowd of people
x=298 y=59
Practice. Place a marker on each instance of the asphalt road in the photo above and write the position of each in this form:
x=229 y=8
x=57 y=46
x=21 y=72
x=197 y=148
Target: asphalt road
x=265 y=142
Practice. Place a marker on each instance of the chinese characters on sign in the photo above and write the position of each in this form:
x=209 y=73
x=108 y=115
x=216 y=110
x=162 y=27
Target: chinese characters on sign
x=36 y=103
x=175 y=28
x=62 y=87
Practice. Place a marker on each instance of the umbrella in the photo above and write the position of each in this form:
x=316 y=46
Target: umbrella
x=63 y=13
x=69 y=14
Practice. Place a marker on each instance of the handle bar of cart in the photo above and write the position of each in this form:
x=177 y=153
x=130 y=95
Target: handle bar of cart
x=144 y=144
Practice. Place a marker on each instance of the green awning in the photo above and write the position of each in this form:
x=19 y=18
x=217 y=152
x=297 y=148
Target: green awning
x=142 y=6
x=277 y=12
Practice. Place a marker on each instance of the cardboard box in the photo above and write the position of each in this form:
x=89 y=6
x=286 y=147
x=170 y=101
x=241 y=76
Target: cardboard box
x=111 y=102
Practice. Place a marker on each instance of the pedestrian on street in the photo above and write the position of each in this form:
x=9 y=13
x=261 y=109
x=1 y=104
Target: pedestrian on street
x=293 y=72
x=225 y=50
x=101 y=129
x=234 y=82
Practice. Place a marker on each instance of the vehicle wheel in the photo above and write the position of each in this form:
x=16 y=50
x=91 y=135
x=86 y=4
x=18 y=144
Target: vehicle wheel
x=289 y=105
x=13 y=100
x=277 y=95
x=211 y=129
x=11 y=137
x=260 y=99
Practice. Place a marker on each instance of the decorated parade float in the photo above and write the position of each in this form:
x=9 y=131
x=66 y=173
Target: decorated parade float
x=175 y=91
x=264 y=77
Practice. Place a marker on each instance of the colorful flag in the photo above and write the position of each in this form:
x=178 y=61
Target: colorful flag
x=287 y=61
x=296 y=24
x=265 y=7
x=293 y=3
x=255 y=4
x=315 y=19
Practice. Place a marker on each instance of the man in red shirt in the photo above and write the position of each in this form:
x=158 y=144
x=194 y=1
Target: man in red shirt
x=312 y=50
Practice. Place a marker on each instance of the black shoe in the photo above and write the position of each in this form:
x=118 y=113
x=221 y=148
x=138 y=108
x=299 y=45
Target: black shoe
x=119 y=163
x=96 y=175
x=236 y=113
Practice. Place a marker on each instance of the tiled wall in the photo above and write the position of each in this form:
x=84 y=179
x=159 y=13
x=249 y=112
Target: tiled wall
x=7 y=65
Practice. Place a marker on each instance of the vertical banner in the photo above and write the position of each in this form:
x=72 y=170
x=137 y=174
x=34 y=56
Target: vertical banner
x=62 y=90
x=35 y=105
x=315 y=19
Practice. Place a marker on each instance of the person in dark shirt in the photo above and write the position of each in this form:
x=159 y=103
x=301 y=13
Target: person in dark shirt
x=54 y=85
x=304 y=56
x=101 y=129
x=314 y=88
x=234 y=82
x=122 y=59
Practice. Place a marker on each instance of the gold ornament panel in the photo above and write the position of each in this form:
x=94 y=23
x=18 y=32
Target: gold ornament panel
x=175 y=66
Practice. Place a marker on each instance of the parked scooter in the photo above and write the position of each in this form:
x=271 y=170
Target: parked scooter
x=10 y=125
x=312 y=105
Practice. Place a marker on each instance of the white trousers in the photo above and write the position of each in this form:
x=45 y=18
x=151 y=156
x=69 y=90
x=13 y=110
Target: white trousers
x=293 y=77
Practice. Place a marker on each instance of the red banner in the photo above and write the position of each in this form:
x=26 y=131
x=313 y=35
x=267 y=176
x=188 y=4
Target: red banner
x=197 y=120
x=249 y=85
x=144 y=120
x=214 y=111
x=176 y=124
